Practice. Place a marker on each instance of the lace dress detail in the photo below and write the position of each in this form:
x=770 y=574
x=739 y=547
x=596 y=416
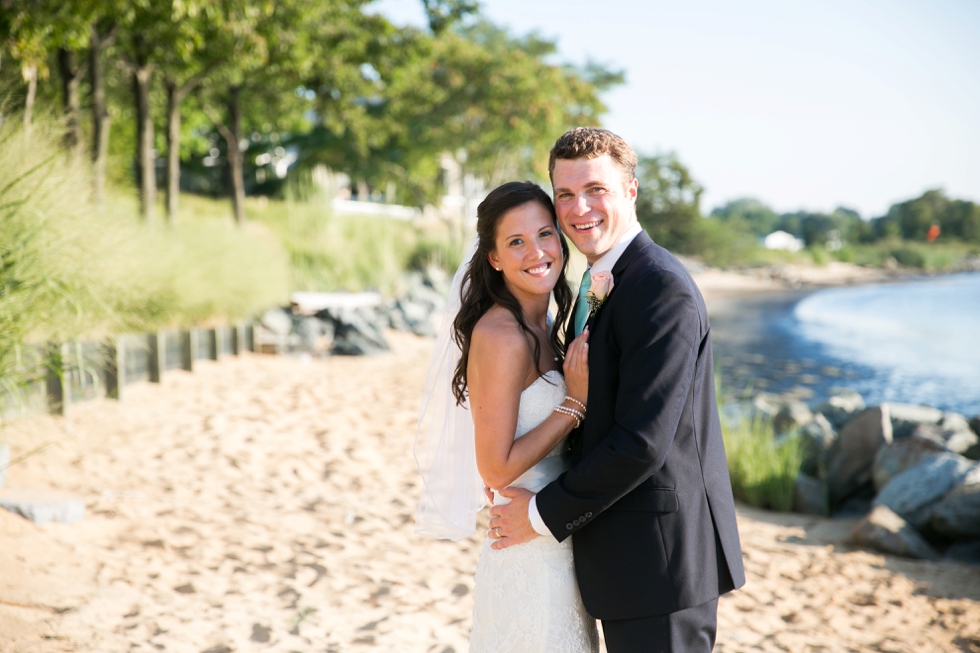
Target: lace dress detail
x=526 y=598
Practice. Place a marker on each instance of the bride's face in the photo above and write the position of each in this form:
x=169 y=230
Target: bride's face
x=528 y=250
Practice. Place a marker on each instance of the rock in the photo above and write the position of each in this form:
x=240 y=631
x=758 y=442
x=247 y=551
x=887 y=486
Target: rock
x=959 y=437
x=905 y=417
x=313 y=333
x=817 y=438
x=766 y=404
x=914 y=492
x=966 y=552
x=965 y=443
x=975 y=424
x=849 y=460
x=357 y=333
x=856 y=505
x=957 y=515
x=895 y=458
x=278 y=321
x=840 y=408
x=42 y=507
x=4 y=463
x=809 y=496
x=791 y=416
x=885 y=531
x=417 y=316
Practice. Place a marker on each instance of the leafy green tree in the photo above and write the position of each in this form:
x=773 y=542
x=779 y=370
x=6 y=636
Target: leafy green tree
x=749 y=214
x=668 y=203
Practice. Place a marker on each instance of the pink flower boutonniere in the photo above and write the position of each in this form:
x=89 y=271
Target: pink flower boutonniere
x=602 y=285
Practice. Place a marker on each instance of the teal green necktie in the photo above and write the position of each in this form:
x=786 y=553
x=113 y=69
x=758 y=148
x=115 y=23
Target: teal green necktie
x=582 y=307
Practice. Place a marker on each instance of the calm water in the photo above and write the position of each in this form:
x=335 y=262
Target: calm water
x=916 y=342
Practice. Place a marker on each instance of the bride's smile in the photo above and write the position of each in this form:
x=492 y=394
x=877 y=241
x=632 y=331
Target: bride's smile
x=528 y=251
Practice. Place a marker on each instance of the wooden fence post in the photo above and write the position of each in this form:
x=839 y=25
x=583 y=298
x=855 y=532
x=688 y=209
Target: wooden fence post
x=212 y=336
x=156 y=344
x=188 y=349
x=238 y=338
x=57 y=386
x=114 y=354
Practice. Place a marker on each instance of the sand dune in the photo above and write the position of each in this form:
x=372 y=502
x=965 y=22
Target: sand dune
x=266 y=504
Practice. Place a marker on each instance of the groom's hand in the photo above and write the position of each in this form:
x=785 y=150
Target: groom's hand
x=509 y=523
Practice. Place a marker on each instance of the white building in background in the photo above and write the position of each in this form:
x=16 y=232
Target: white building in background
x=783 y=240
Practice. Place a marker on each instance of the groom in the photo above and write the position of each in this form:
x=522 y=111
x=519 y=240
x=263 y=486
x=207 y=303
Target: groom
x=648 y=497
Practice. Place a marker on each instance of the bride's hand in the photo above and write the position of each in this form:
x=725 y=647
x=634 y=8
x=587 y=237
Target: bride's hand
x=576 y=367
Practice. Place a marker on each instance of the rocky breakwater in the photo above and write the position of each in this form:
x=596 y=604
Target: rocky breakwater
x=911 y=471
x=352 y=324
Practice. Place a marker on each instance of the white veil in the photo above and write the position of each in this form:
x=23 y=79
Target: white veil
x=445 y=451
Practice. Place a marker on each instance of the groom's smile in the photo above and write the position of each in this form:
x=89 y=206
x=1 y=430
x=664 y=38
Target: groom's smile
x=594 y=202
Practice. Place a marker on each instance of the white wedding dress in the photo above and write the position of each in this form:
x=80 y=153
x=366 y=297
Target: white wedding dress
x=526 y=598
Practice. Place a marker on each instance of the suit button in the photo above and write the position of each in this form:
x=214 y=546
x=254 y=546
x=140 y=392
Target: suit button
x=588 y=515
x=576 y=521
x=569 y=526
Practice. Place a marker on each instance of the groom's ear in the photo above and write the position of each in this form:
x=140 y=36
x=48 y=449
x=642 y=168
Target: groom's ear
x=632 y=188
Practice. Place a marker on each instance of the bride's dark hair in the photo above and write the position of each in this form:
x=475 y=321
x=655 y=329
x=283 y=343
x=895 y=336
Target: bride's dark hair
x=483 y=287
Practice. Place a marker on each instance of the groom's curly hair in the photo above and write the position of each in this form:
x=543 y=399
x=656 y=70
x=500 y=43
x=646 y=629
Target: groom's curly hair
x=591 y=143
x=483 y=287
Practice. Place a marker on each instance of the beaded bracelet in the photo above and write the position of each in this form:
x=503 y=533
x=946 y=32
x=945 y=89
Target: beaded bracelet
x=577 y=415
x=574 y=401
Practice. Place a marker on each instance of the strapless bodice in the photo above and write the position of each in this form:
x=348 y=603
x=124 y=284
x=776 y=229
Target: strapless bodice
x=537 y=402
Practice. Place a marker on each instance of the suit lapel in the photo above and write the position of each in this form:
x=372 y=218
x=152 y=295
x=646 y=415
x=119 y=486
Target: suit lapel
x=641 y=242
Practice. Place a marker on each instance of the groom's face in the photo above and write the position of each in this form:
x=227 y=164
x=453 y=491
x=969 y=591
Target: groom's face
x=595 y=203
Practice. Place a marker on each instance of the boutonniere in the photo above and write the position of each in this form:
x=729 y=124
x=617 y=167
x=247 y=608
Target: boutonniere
x=602 y=285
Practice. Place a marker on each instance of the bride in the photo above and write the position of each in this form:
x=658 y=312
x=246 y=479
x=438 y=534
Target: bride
x=496 y=410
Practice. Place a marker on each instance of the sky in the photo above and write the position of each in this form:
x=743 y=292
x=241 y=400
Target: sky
x=805 y=105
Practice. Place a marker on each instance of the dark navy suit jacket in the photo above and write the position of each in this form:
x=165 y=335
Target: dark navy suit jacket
x=648 y=497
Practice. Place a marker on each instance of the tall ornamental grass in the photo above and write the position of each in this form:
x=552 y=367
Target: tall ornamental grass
x=70 y=270
x=350 y=252
x=763 y=468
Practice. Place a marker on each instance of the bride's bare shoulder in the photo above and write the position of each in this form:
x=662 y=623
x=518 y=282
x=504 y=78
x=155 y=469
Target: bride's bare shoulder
x=498 y=332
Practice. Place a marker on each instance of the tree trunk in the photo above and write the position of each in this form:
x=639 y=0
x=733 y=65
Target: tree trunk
x=100 y=114
x=233 y=138
x=174 y=97
x=30 y=76
x=145 y=157
x=71 y=77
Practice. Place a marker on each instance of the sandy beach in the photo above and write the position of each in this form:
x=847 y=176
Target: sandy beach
x=266 y=504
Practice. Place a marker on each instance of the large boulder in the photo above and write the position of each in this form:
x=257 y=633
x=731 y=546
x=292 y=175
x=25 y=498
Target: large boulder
x=817 y=439
x=965 y=552
x=914 y=492
x=840 y=408
x=767 y=405
x=809 y=496
x=357 y=332
x=893 y=459
x=905 y=417
x=886 y=531
x=957 y=515
x=792 y=415
x=849 y=460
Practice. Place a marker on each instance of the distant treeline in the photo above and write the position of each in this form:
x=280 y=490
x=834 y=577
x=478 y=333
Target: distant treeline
x=669 y=206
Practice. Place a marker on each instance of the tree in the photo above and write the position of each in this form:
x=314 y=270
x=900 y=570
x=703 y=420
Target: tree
x=668 y=203
x=492 y=101
x=749 y=214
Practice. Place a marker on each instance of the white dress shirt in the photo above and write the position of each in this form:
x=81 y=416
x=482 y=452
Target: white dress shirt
x=604 y=263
